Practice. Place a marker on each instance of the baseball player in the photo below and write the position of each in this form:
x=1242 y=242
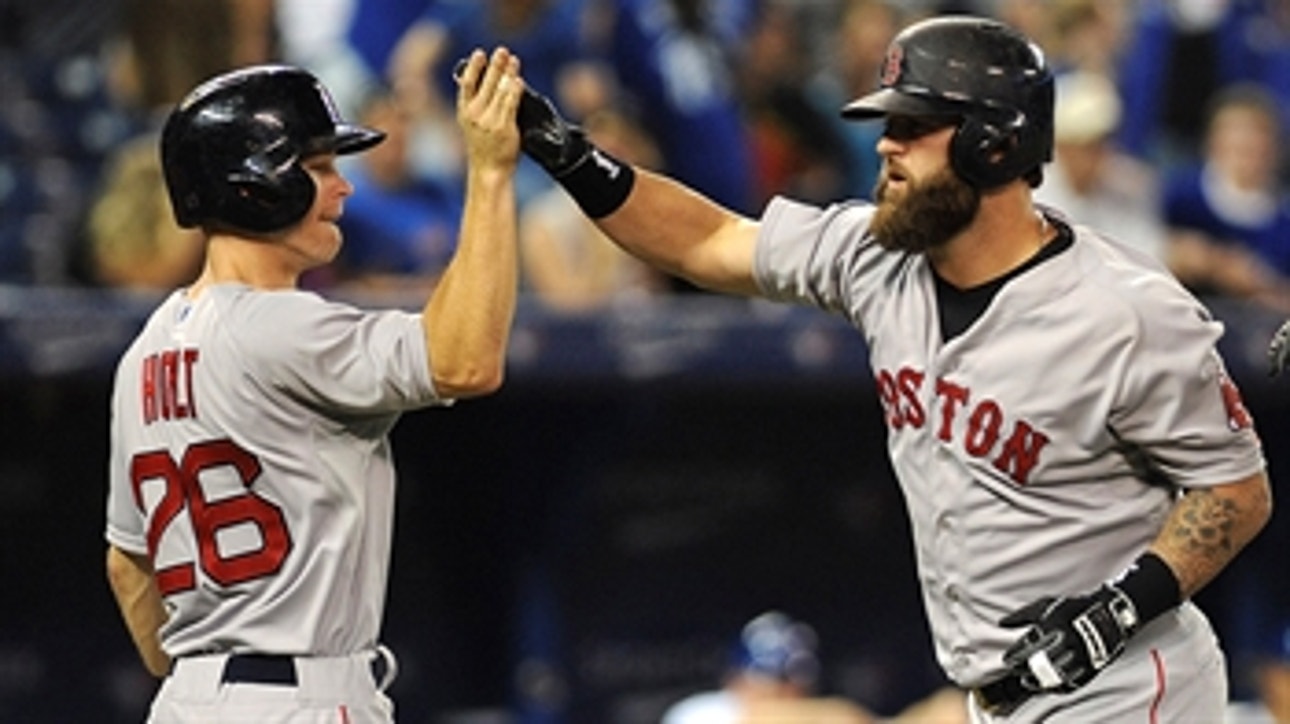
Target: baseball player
x=251 y=482
x=771 y=678
x=1075 y=460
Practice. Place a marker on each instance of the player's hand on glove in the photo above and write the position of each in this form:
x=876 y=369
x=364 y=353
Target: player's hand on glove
x=488 y=95
x=1279 y=350
x=547 y=137
x=598 y=182
x=1070 y=639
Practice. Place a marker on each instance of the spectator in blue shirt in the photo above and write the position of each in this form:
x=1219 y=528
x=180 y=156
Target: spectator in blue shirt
x=1228 y=216
x=400 y=228
x=1178 y=55
x=674 y=60
x=544 y=34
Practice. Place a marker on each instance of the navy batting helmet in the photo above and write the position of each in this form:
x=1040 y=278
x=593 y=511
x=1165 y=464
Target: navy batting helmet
x=231 y=150
x=988 y=76
x=775 y=646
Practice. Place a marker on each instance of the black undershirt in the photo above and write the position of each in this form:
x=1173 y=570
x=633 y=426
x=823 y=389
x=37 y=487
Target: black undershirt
x=959 y=308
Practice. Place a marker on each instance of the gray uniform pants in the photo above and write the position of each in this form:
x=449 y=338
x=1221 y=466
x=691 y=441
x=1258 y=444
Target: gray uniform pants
x=326 y=690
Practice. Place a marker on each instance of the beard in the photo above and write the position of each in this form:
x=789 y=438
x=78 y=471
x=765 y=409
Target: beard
x=927 y=215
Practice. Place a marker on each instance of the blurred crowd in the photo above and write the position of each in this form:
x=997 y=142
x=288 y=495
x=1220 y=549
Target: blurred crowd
x=1169 y=124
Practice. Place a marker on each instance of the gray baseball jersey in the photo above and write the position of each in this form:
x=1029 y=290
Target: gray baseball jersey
x=250 y=461
x=1018 y=444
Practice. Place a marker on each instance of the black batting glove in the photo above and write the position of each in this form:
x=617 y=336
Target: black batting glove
x=597 y=181
x=1279 y=349
x=548 y=138
x=1070 y=639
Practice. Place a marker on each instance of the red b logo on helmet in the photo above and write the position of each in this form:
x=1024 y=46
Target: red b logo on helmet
x=891 y=66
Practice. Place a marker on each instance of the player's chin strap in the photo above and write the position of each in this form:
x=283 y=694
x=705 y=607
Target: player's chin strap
x=1072 y=638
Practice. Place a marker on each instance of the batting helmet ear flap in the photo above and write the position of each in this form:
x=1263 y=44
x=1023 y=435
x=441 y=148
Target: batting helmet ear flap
x=993 y=147
x=983 y=153
x=271 y=190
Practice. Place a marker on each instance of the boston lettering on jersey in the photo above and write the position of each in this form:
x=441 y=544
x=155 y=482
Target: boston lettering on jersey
x=167 y=387
x=1012 y=446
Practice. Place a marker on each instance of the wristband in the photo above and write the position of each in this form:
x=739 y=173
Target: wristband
x=1151 y=585
x=599 y=183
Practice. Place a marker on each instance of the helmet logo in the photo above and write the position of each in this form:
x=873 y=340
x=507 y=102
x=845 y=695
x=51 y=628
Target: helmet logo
x=891 y=66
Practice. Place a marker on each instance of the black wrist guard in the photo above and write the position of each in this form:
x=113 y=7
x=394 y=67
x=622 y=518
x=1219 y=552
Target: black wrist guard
x=600 y=183
x=1151 y=585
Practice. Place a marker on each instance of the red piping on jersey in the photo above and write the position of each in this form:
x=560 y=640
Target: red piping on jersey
x=344 y=714
x=1154 y=716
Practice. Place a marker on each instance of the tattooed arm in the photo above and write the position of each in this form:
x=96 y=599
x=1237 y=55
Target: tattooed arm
x=1209 y=526
x=1070 y=639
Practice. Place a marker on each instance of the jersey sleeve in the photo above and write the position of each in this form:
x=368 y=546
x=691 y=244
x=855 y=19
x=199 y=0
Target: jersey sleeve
x=125 y=519
x=337 y=356
x=1177 y=401
x=821 y=257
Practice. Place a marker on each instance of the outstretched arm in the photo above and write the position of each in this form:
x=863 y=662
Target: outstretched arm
x=468 y=317
x=651 y=216
x=683 y=233
x=137 y=596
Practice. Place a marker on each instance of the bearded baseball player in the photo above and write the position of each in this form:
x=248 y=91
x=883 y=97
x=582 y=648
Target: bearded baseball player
x=251 y=491
x=1076 y=462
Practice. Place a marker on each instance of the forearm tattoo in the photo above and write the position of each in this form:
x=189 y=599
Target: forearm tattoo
x=1204 y=532
x=1204 y=524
